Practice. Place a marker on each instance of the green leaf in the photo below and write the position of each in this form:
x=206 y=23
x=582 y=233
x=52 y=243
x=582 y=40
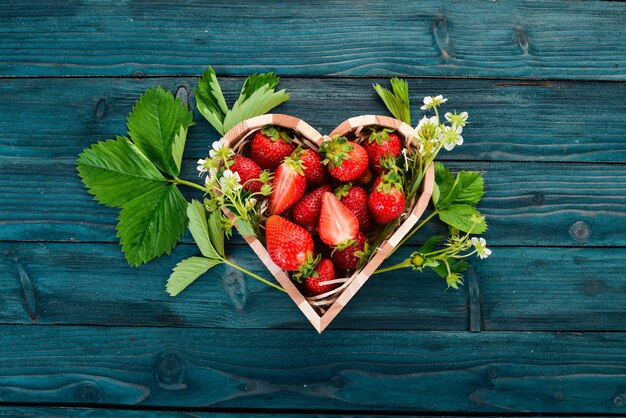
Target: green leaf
x=116 y=172
x=199 y=228
x=216 y=232
x=187 y=271
x=151 y=224
x=255 y=82
x=459 y=217
x=429 y=245
x=244 y=227
x=455 y=267
x=444 y=181
x=154 y=123
x=397 y=101
x=210 y=100
x=471 y=185
x=258 y=103
x=178 y=147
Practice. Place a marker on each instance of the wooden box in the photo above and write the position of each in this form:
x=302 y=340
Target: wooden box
x=237 y=138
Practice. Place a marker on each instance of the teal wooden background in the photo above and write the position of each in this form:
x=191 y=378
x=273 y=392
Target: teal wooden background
x=540 y=326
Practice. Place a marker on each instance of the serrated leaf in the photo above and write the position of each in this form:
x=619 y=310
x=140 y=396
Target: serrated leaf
x=216 y=232
x=199 y=228
x=429 y=245
x=397 y=101
x=210 y=100
x=255 y=82
x=244 y=227
x=258 y=103
x=178 y=147
x=151 y=224
x=444 y=181
x=187 y=271
x=459 y=217
x=153 y=124
x=115 y=172
x=455 y=267
x=471 y=188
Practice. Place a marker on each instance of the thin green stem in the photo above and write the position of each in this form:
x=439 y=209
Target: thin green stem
x=256 y=276
x=188 y=183
x=413 y=231
x=405 y=263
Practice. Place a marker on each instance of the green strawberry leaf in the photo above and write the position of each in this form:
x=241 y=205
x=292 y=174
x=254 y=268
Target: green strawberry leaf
x=153 y=125
x=468 y=189
x=115 y=172
x=258 y=103
x=187 y=271
x=460 y=216
x=216 y=232
x=397 y=101
x=444 y=180
x=178 y=147
x=255 y=82
x=455 y=267
x=151 y=224
x=210 y=100
x=199 y=228
x=429 y=245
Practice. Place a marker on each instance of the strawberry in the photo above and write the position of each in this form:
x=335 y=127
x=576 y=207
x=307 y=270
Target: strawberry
x=366 y=178
x=382 y=144
x=270 y=146
x=306 y=211
x=247 y=170
x=288 y=185
x=346 y=160
x=314 y=171
x=386 y=201
x=324 y=270
x=355 y=199
x=338 y=226
x=348 y=258
x=288 y=244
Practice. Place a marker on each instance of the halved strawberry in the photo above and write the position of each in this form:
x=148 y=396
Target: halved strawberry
x=382 y=144
x=270 y=146
x=314 y=171
x=288 y=244
x=348 y=258
x=247 y=170
x=287 y=187
x=355 y=199
x=338 y=225
x=346 y=160
x=386 y=201
x=306 y=211
x=324 y=271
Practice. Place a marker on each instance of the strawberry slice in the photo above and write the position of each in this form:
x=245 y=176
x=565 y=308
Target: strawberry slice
x=288 y=186
x=338 y=226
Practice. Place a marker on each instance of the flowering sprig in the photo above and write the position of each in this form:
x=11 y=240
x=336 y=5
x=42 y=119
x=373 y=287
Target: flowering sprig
x=224 y=188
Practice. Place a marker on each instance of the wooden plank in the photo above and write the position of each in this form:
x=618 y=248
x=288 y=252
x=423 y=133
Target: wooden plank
x=554 y=289
x=339 y=370
x=526 y=203
x=547 y=39
x=80 y=412
x=521 y=289
x=47 y=283
x=510 y=120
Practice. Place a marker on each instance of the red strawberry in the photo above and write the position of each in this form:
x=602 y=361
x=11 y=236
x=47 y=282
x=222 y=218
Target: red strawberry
x=386 y=201
x=366 y=178
x=382 y=144
x=314 y=170
x=355 y=199
x=247 y=170
x=270 y=146
x=346 y=259
x=346 y=160
x=287 y=187
x=288 y=244
x=325 y=270
x=306 y=211
x=338 y=225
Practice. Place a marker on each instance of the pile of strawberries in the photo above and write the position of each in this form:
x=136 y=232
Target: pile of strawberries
x=324 y=205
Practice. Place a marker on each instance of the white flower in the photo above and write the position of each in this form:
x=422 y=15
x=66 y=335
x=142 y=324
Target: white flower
x=220 y=150
x=481 y=247
x=251 y=202
x=230 y=181
x=459 y=119
x=430 y=102
x=211 y=176
x=202 y=165
x=452 y=137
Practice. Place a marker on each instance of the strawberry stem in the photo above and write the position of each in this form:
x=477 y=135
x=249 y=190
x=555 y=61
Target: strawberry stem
x=188 y=183
x=251 y=274
x=413 y=231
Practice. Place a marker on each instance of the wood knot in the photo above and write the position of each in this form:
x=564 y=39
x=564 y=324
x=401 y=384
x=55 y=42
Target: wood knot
x=442 y=36
x=170 y=371
x=138 y=74
x=618 y=401
x=492 y=372
x=338 y=382
x=538 y=199
x=101 y=108
x=580 y=231
x=235 y=285
x=521 y=37
x=28 y=289
x=89 y=392
x=182 y=93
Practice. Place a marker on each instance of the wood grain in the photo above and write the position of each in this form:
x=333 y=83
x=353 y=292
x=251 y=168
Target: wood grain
x=510 y=120
x=548 y=39
x=92 y=284
x=395 y=371
x=526 y=203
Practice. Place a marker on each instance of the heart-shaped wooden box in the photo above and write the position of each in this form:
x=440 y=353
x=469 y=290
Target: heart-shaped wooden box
x=238 y=137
